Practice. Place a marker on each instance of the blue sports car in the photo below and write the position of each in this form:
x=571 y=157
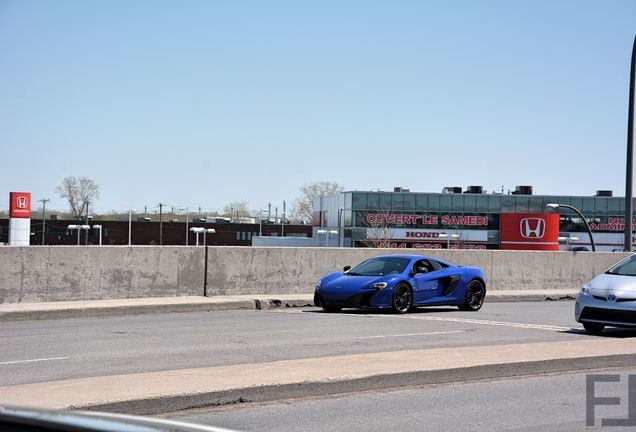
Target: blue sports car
x=402 y=282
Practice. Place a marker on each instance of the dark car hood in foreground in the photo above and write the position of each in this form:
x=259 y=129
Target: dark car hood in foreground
x=92 y=421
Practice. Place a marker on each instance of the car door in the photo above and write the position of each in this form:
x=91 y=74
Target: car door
x=432 y=279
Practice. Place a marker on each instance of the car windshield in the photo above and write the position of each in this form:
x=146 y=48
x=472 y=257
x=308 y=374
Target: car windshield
x=626 y=267
x=380 y=267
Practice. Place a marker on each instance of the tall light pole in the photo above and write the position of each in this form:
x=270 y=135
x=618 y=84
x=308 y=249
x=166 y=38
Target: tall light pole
x=574 y=209
x=130 y=211
x=44 y=201
x=282 y=227
x=99 y=227
x=326 y=233
x=75 y=227
x=88 y=203
x=161 y=224
x=340 y=211
x=205 y=232
x=630 y=154
x=260 y=222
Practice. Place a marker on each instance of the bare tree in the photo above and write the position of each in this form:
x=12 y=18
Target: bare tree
x=79 y=192
x=237 y=208
x=303 y=207
x=378 y=231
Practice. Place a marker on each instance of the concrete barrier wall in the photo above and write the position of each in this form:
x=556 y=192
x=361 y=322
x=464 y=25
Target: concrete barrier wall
x=61 y=273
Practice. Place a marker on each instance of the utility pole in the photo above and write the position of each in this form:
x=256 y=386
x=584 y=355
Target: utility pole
x=161 y=224
x=44 y=201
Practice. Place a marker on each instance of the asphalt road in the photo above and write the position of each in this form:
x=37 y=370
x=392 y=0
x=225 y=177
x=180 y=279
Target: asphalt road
x=555 y=403
x=60 y=349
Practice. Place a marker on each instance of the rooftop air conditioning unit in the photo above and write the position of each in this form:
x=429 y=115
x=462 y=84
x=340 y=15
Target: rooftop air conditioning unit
x=522 y=190
x=474 y=190
x=452 y=190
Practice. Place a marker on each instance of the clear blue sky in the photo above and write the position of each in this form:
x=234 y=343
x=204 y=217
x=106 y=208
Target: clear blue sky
x=199 y=103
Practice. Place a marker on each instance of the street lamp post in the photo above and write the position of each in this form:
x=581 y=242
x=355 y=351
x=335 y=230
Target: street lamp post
x=99 y=227
x=187 y=221
x=130 y=211
x=340 y=237
x=260 y=222
x=282 y=224
x=574 y=209
x=75 y=227
x=205 y=232
x=326 y=233
x=448 y=237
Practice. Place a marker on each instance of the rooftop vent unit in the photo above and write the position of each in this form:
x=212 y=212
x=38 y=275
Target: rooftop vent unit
x=474 y=190
x=452 y=190
x=603 y=193
x=401 y=189
x=522 y=190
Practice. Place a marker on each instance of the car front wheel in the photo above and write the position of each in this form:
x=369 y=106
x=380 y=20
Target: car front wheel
x=593 y=328
x=402 y=298
x=475 y=295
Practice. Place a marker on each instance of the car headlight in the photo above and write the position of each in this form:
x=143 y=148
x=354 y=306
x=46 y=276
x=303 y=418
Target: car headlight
x=585 y=290
x=378 y=285
x=318 y=284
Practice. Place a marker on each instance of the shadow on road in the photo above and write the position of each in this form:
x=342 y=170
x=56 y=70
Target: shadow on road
x=383 y=311
x=609 y=332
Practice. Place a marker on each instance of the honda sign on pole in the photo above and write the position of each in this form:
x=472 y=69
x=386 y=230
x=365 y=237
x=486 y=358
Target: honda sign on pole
x=522 y=231
x=19 y=218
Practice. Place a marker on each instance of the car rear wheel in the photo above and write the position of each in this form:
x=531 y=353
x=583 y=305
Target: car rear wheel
x=593 y=328
x=475 y=295
x=402 y=298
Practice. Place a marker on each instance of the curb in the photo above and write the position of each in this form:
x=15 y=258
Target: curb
x=258 y=303
x=111 y=311
x=269 y=393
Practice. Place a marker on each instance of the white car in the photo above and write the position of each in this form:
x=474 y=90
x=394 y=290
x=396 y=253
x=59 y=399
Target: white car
x=609 y=299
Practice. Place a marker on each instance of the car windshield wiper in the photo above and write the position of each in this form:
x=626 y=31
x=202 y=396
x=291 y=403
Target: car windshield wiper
x=352 y=274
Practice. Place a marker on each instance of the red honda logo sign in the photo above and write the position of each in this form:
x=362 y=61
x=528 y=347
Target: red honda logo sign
x=529 y=231
x=532 y=228
x=20 y=204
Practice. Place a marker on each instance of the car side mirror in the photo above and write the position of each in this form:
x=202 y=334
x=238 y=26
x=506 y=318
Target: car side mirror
x=346 y=268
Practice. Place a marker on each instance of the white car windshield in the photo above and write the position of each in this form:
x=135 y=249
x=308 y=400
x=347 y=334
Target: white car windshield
x=626 y=267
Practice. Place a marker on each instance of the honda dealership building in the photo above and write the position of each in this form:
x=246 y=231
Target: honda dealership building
x=469 y=219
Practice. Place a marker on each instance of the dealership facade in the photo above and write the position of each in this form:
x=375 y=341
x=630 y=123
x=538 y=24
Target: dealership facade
x=470 y=219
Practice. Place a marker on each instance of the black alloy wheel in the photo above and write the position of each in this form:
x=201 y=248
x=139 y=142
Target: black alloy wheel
x=475 y=295
x=402 y=298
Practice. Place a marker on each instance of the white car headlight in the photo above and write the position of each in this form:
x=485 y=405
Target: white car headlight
x=378 y=285
x=585 y=290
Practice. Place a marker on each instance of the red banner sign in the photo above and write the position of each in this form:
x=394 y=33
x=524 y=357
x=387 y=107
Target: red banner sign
x=20 y=206
x=524 y=231
x=406 y=219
